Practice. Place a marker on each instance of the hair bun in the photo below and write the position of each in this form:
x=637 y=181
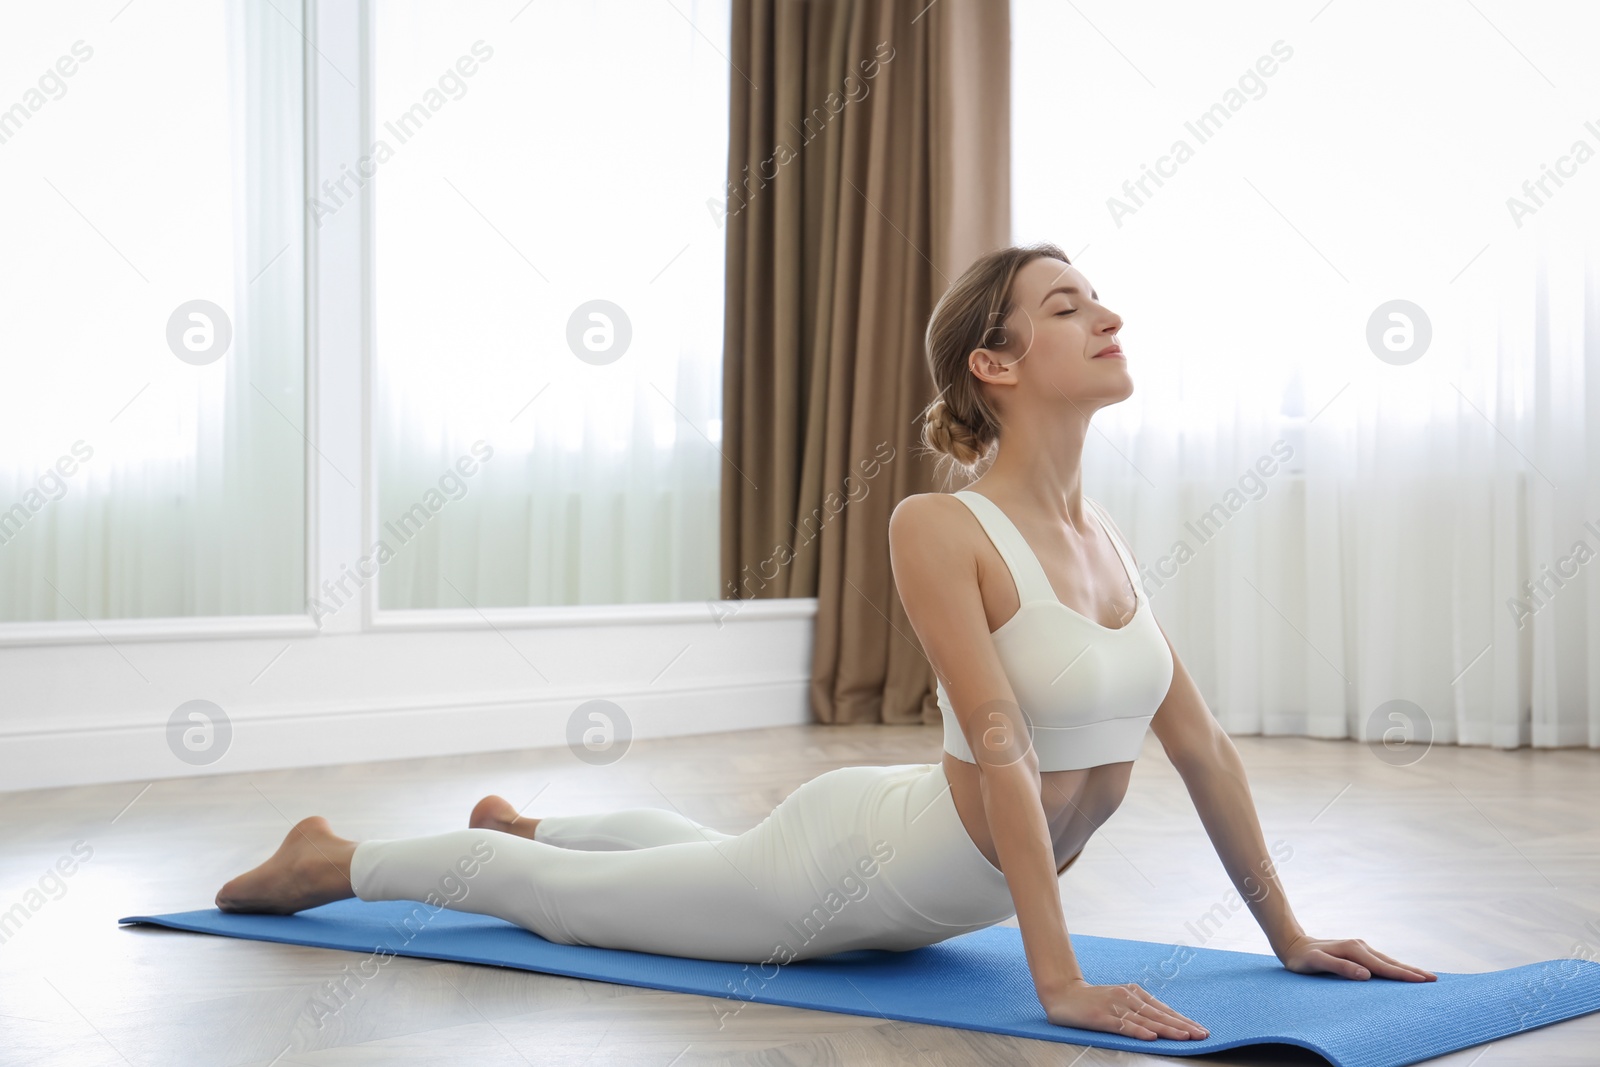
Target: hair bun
x=945 y=432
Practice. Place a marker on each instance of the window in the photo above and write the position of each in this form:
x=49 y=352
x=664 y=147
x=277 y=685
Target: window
x=152 y=302
x=547 y=317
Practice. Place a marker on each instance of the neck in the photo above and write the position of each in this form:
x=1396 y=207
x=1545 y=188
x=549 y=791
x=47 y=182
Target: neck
x=1039 y=465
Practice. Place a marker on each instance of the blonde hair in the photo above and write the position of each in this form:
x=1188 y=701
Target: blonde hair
x=961 y=424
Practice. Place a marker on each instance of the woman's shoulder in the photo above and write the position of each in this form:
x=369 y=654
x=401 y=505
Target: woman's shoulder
x=926 y=512
x=933 y=524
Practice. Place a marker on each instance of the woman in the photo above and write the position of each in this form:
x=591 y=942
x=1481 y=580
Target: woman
x=1048 y=678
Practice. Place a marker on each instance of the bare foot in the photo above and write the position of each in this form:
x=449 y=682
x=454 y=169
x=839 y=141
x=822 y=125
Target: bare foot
x=497 y=813
x=310 y=868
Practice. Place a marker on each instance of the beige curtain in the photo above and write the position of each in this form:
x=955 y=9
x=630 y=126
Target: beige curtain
x=868 y=164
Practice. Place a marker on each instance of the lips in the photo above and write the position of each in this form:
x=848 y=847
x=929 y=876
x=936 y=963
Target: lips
x=1110 y=352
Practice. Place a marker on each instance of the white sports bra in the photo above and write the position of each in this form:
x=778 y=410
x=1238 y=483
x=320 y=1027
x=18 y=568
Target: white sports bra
x=1088 y=691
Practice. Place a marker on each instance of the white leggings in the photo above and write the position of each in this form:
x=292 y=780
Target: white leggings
x=858 y=857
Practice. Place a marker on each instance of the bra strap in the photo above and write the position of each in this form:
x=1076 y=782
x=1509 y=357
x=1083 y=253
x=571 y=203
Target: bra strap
x=1026 y=571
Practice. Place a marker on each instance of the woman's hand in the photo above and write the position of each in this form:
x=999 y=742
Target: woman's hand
x=1118 y=1009
x=1349 y=958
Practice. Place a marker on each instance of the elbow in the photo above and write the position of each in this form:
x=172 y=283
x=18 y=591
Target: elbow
x=1001 y=739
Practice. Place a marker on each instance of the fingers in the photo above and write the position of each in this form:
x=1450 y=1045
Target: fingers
x=1154 y=1009
x=1338 y=965
x=1388 y=967
x=1159 y=1017
x=1137 y=1014
x=1128 y=1022
x=1355 y=959
x=1130 y=1019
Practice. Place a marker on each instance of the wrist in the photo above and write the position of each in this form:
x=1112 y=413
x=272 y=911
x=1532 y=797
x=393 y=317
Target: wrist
x=1282 y=941
x=1051 y=985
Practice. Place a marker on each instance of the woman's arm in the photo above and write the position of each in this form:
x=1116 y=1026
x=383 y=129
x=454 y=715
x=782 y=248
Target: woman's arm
x=935 y=572
x=1207 y=761
x=1209 y=764
x=937 y=580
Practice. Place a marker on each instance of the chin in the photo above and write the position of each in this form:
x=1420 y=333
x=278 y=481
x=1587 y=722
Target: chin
x=1101 y=393
x=1116 y=392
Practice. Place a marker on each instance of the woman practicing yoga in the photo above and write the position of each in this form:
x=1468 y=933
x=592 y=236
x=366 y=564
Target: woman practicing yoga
x=1050 y=666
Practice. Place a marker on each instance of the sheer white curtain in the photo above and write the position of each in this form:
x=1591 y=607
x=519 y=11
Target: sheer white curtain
x=159 y=166
x=569 y=155
x=1342 y=539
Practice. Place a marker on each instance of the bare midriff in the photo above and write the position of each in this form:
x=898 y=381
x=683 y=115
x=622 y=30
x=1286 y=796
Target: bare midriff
x=1076 y=803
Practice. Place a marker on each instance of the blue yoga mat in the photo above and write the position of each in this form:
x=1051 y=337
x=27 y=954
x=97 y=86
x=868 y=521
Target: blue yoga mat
x=980 y=981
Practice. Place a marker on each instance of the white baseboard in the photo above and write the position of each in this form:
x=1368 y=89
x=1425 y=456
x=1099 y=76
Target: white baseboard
x=74 y=713
x=359 y=733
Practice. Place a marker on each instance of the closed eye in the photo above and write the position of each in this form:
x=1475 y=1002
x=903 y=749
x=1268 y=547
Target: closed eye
x=1067 y=312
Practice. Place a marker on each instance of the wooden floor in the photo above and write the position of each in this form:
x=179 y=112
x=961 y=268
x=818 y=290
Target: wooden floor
x=1469 y=860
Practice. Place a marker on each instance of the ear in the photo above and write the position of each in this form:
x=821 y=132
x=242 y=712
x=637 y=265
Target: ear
x=990 y=366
